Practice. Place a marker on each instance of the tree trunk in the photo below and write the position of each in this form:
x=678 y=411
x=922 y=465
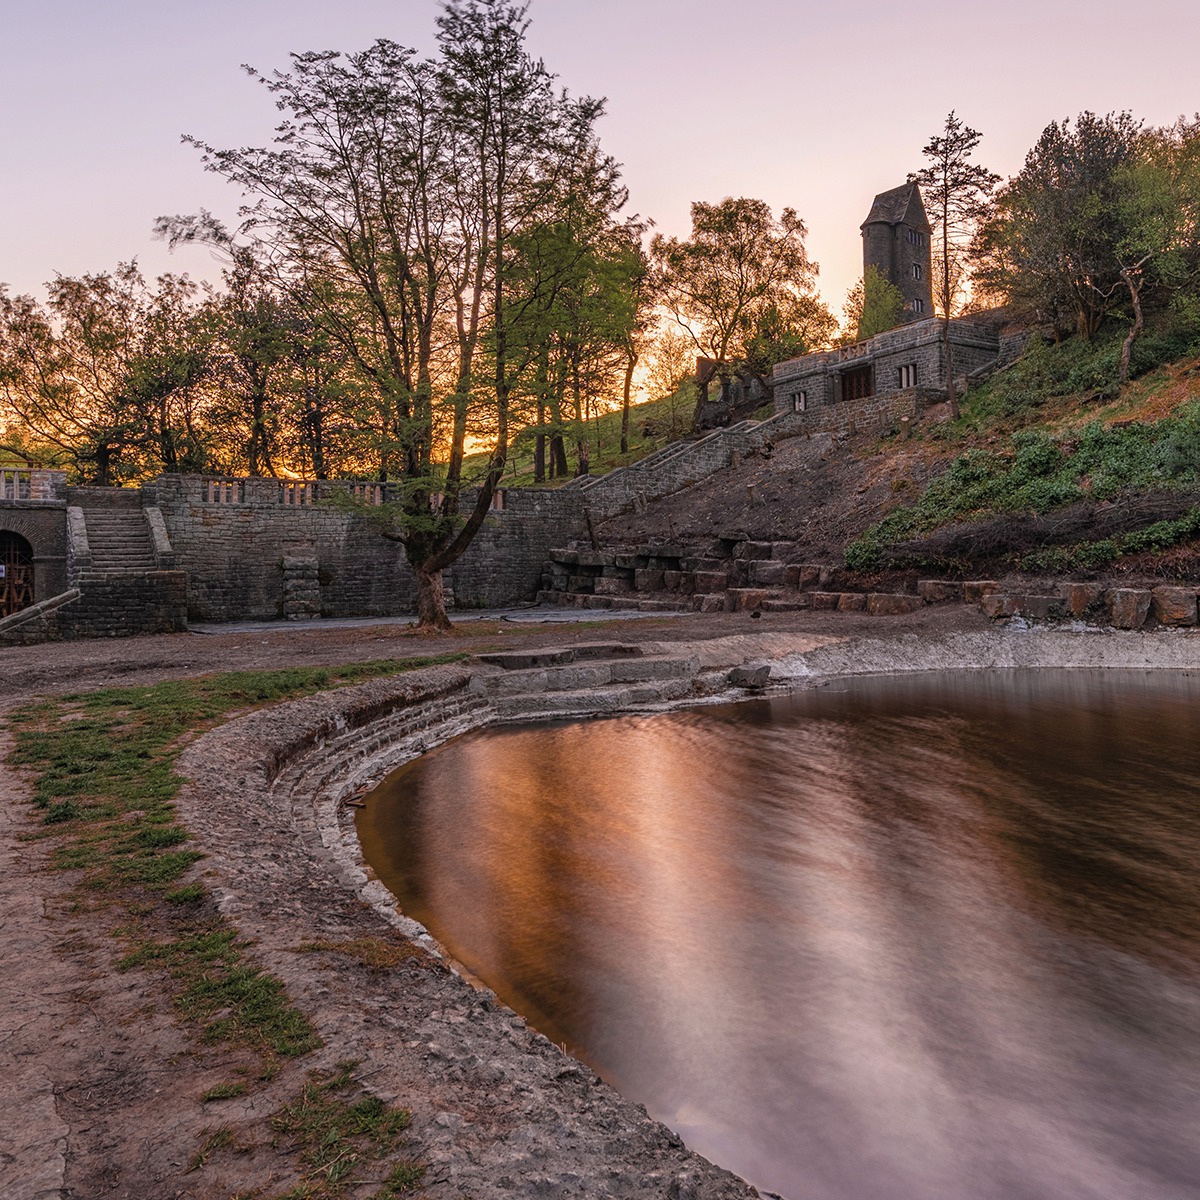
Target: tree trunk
x=629 y=368
x=431 y=602
x=1132 y=278
x=948 y=354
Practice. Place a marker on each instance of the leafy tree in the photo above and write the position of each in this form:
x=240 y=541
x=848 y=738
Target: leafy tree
x=721 y=285
x=107 y=376
x=956 y=191
x=392 y=198
x=1050 y=240
x=874 y=305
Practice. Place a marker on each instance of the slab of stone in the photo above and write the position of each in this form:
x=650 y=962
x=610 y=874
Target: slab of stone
x=852 y=602
x=767 y=572
x=747 y=599
x=708 y=602
x=796 y=603
x=607 y=585
x=808 y=576
x=647 y=580
x=891 y=604
x=1128 y=608
x=974 y=590
x=750 y=676
x=1082 y=598
x=999 y=604
x=711 y=581
x=756 y=550
x=825 y=601
x=1174 y=606
x=939 y=591
x=1038 y=608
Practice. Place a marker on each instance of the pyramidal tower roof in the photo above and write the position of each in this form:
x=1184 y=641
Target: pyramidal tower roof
x=900 y=206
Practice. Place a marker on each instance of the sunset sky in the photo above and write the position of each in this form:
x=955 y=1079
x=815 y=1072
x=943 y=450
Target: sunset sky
x=814 y=105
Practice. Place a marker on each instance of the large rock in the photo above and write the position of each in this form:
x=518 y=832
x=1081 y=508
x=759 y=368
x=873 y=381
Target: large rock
x=1174 y=605
x=766 y=572
x=825 y=600
x=997 y=605
x=891 y=604
x=939 y=591
x=974 y=590
x=750 y=676
x=607 y=585
x=1083 y=598
x=713 y=602
x=711 y=581
x=1128 y=608
x=647 y=580
x=747 y=599
x=852 y=602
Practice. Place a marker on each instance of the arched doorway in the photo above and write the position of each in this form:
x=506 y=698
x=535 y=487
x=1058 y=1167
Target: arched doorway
x=16 y=573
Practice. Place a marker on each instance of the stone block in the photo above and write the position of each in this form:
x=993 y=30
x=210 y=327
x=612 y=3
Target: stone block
x=1128 y=608
x=747 y=599
x=1174 y=605
x=767 y=572
x=1083 y=597
x=812 y=575
x=1037 y=608
x=711 y=581
x=997 y=605
x=750 y=676
x=782 y=549
x=713 y=602
x=852 y=602
x=796 y=603
x=939 y=591
x=595 y=558
x=825 y=601
x=647 y=580
x=974 y=590
x=756 y=550
x=890 y=604
x=607 y=585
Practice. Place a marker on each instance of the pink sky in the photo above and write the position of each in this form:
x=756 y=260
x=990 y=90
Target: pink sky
x=814 y=105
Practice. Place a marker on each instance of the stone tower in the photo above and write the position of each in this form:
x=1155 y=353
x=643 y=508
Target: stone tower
x=896 y=242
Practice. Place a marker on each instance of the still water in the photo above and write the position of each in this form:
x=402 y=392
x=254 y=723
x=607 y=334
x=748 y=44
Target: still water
x=931 y=937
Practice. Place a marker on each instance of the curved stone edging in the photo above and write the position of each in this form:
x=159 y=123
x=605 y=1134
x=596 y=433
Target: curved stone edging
x=498 y=1108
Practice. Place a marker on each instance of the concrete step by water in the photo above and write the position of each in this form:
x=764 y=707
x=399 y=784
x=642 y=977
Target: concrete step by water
x=596 y=676
x=614 y=698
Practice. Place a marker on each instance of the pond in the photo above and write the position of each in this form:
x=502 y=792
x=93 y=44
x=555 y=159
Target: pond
x=930 y=936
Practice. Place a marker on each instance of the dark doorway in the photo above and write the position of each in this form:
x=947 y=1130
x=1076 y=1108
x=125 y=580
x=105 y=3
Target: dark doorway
x=16 y=573
x=858 y=384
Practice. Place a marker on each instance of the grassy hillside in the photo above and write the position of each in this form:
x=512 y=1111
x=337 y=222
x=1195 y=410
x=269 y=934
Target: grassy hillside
x=1052 y=467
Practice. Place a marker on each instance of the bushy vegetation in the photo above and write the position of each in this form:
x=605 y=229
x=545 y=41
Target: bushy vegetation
x=1038 y=472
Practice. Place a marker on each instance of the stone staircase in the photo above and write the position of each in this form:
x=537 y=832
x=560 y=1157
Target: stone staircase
x=119 y=541
x=601 y=677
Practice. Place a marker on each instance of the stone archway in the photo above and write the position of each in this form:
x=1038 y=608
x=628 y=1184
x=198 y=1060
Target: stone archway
x=16 y=573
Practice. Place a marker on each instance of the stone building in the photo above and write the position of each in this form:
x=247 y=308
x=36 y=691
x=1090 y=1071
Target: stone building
x=896 y=243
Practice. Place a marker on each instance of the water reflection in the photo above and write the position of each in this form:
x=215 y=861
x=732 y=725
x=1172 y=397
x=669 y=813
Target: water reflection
x=926 y=937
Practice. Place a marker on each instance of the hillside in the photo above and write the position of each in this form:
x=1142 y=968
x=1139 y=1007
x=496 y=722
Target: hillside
x=1049 y=469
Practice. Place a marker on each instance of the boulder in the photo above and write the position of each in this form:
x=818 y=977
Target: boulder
x=750 y=675
x=1083 y=597
x=825 y=600
x=767 y=572
x=710 y=603
x=974 y=590
x=852 y=601
x=746 y=599
x=939 y=591
x=1174 y=605
x=711 y=581
x=890 y=604
x=646 y=580
x=1128 y=608
x=997 y=605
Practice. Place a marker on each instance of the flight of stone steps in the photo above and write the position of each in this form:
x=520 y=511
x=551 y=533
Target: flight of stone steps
x=119 y=541
x=568 y=680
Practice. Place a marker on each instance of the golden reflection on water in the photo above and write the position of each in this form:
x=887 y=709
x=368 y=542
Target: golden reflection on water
x=928 y=937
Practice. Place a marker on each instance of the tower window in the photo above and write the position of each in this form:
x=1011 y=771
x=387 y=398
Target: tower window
x=918 y=272
x=918 y=306
x=906 y=376
x=915 y=237
x=799 y=401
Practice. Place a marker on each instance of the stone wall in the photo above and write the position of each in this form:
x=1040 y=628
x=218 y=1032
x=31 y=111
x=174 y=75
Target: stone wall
x=232 y=536
x=43 y=524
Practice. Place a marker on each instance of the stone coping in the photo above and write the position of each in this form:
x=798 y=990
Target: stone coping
x=497 y=1108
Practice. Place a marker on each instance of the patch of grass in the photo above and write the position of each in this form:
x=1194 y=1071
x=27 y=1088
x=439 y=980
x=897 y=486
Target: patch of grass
x=377 y=953
x=339 y=1131
x=106 y=783
x=223 y=1091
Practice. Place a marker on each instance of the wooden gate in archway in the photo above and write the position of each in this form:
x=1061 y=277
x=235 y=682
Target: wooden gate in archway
x=16 y=573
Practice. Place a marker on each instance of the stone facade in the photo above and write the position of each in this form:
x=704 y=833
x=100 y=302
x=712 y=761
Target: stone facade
x=896 y=242
x=911 y=356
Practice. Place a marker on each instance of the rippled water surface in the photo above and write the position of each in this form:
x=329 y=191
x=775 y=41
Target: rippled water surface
x=913 y=939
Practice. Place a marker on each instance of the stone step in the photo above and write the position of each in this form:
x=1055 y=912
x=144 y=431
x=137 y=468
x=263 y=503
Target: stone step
x=573 y=677
x=523 y=660
x=591 y=700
